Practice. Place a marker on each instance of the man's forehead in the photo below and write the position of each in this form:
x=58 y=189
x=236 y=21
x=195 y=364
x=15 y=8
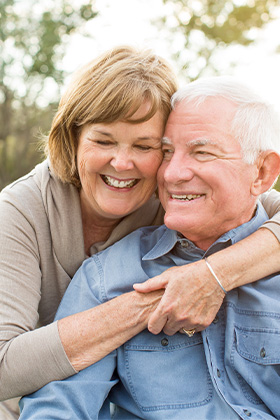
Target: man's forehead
x=212 y=111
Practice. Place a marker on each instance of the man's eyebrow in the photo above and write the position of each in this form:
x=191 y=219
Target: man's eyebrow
x=166 y=140
x=201 y=142
x=191 y=143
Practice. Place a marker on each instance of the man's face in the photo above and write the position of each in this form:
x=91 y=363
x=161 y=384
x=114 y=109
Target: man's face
x=204 y=184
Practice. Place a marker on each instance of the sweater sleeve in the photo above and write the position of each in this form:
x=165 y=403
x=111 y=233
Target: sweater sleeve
x=271 y=203
x=29 y=357
x=82 y=396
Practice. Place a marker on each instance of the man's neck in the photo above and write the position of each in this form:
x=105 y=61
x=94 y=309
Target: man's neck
x=204 y=242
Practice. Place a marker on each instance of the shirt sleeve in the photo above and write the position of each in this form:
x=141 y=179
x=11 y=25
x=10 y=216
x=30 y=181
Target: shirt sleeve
x=271 y=203
x=84 y=395
x=29 y=357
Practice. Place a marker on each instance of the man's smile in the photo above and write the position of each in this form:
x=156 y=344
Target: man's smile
x=186 y=197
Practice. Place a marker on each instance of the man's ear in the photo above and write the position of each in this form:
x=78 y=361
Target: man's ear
x=268 y=169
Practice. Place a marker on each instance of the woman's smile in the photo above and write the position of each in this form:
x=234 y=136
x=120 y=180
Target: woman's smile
x=119 y=183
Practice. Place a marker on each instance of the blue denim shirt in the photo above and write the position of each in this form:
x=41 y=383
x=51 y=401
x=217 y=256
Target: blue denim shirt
x=229 y=371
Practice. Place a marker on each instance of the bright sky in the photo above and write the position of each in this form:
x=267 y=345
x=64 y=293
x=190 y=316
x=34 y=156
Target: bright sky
x=129 y=22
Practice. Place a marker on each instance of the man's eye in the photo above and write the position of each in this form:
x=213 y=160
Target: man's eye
x=202 y=152
x=167 y=153
x=204 y=155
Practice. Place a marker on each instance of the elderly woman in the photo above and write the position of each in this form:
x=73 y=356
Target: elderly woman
x=97 y=185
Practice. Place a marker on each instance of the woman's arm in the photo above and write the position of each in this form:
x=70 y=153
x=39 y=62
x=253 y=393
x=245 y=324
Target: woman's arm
x=193 y=297
x=30 y=357
x=271 y=202
x=90 y=335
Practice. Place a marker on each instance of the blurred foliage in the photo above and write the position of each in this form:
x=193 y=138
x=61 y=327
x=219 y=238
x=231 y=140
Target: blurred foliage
x=201 y=29
x=277 y=184
x=33 y=39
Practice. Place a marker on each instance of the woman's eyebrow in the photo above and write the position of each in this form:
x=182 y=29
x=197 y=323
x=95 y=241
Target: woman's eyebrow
x=102 y=132
x=149 y=138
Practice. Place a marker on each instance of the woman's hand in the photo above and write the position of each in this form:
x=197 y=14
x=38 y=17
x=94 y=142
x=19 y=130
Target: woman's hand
x=191 y=300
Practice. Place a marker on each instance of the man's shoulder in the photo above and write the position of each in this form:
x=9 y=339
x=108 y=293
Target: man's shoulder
x=142 y=239
x=113 y=271
x=126 y=255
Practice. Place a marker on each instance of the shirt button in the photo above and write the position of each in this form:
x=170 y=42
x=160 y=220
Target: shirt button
x=262 y=352
x=216 y=320
x=218 y=373
x=164 y=342
x=247 y=412
x=184 y=244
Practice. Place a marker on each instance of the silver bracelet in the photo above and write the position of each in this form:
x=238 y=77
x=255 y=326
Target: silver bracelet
x=214 y=275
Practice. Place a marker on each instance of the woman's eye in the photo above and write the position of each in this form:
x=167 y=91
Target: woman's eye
x=143 y=148
x=103 y=142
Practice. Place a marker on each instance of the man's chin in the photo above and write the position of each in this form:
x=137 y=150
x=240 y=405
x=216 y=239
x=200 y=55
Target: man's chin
x=174 y=222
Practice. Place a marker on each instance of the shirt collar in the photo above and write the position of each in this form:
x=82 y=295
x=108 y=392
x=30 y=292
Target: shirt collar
x=164 y=242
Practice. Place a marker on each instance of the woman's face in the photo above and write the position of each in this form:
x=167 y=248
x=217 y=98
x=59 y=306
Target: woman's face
x=117 y=165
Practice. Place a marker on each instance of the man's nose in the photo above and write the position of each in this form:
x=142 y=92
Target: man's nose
x=122 y=161
x=179 y=169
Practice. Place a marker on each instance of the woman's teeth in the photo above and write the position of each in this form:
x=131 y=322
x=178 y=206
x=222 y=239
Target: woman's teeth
x=112 y=182
x=188 y=197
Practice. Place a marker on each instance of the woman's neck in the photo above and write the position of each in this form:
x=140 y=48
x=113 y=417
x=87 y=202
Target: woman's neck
x=94 y=233
x=96 y=228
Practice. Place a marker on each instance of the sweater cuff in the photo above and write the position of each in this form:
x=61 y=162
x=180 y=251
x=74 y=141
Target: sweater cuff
x=274 y=227
x=59 y=354
x=33 y=360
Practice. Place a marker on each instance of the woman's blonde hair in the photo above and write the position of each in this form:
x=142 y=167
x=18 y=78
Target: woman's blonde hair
x=109 y=88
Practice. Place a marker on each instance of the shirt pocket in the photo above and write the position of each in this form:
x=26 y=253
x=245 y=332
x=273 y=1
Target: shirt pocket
x=256 y=358
x=164 y=372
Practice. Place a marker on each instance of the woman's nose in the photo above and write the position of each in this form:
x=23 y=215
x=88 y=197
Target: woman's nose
x=122 y=161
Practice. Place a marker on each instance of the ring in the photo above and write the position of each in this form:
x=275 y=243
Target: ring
x=190 y=333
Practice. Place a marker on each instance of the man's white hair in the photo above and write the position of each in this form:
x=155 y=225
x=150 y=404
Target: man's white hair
x=256 y=125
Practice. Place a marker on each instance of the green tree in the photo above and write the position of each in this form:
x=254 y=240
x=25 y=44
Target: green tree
x=201 y=29
x=33 y=37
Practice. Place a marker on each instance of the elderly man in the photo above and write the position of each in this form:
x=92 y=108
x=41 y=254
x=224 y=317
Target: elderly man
x=220 y=152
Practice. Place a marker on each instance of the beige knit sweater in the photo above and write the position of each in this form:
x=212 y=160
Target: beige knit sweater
x=41 y=248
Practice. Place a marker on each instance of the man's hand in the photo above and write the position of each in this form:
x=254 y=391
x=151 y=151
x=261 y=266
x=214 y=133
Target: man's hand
x=191 y=300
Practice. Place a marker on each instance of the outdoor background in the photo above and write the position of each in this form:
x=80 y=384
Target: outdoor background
x=43 y=41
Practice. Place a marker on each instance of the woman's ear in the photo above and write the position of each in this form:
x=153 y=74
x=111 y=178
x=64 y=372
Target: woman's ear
x=268 y=169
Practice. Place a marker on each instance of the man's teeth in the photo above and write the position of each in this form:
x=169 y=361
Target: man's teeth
x=188 y=197
x=119 y=184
